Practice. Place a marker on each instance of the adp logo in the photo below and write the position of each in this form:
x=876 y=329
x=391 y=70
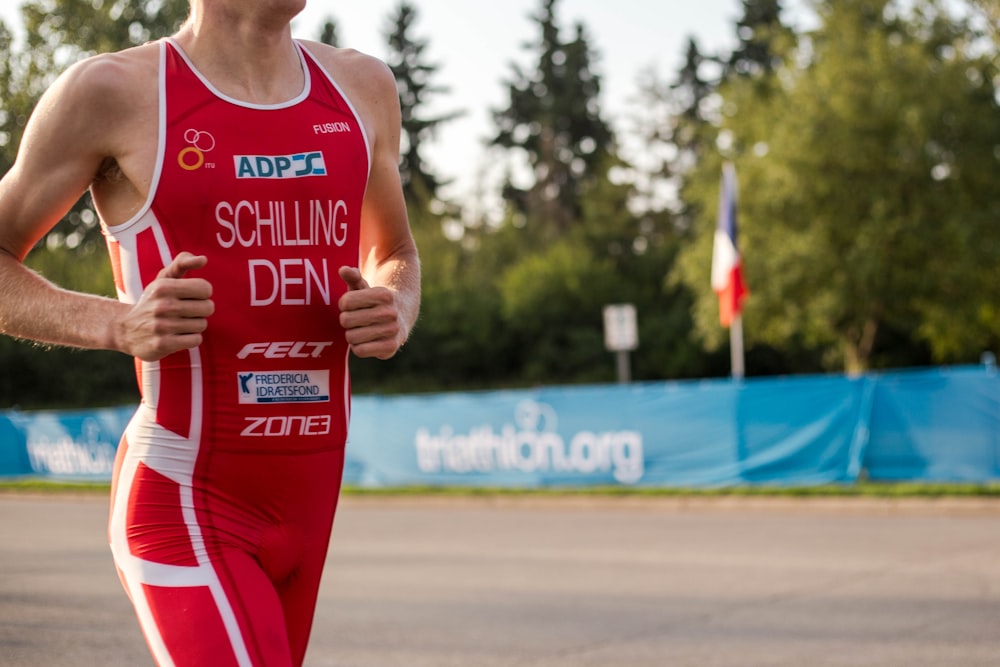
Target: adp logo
x=298 y=165
x=193 y=157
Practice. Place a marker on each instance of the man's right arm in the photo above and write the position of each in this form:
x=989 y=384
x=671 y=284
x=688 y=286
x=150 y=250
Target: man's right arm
x=70 y=134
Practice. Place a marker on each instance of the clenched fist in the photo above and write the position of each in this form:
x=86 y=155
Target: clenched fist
x=171 y=314
x=370 y=317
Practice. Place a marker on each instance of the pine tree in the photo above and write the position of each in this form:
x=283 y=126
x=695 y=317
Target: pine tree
x=554 y=118
x=758 y=31
x=328 y=33
x=407 y=60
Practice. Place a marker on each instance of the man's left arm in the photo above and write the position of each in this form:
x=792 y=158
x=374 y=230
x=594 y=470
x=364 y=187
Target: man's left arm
x=381 y=307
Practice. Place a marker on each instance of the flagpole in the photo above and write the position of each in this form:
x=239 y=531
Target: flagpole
x=736 y=347
x=727 y=270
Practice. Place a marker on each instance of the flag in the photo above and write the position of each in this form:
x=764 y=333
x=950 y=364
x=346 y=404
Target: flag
x=727 y=266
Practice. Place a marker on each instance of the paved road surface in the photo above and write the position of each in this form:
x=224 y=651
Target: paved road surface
x=737 y=582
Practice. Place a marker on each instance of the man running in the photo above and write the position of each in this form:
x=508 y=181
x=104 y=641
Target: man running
x=248 y=187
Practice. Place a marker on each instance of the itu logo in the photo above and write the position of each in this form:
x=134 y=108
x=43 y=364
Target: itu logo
x=298 y=165
x=193 y=156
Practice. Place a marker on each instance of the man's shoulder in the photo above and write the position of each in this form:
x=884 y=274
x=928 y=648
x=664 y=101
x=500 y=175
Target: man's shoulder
x=326 y=53
x=368 y=83
x=122 y=73
x=356 y=69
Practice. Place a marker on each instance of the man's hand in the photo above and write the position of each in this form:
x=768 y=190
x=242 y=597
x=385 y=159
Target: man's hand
x=370 y=317
x=171 y=314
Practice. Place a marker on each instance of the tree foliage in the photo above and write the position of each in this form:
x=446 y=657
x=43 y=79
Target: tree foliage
x=761 y=33
x=554 y=120
x=414 y=80
x=328 y=33
x=868 y=213
x=58 y=33
x=867 y=150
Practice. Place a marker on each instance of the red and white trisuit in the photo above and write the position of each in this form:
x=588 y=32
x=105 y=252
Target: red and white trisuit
x=227 y=478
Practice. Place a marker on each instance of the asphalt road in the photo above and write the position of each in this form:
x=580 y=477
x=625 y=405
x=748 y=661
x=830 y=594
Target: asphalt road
x=727 y=582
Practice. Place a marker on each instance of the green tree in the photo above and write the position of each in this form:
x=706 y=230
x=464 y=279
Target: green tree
x=8 y=111
x=78 y=29
x=328 y=33
x=640 y=242
x=760 y=32
x=589 y=231
x=408 y=62
x=868 y=214
x=690 y=127
x=61 y=32
x=554 y=120
x=989 y=12
x=446 y=347
x=551 y=282
x=58 y=33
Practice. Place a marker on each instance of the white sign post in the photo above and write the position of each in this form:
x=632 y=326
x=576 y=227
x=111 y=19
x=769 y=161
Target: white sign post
x=621 y=336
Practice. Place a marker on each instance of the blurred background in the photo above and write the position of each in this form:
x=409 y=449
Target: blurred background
x=865 y=135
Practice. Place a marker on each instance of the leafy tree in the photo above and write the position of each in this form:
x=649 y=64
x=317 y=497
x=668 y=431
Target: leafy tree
x=867 y=212
x=690 y=126
x=691 y=91
x=989 y=12
x=669 y=126
x=588 y=232
x=553 y=279
x=99 y=26
x=454 y=318
x=58 y=33
x=15 y=105
x=641 y=244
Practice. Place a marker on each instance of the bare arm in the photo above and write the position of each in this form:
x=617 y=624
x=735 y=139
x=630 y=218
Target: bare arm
x=382 y=305
x=70 y=134
x=58 y=159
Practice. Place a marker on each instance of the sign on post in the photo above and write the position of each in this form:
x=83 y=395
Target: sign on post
x=620 y=331
x=621 y=335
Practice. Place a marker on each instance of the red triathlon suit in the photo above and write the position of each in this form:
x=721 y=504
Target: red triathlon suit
x=227 y=478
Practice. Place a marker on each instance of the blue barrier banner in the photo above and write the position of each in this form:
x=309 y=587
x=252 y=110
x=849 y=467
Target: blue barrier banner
x=69 y=445
x=692 y=434
x=934 y=425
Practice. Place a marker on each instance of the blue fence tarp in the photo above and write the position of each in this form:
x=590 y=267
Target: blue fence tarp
x=72 y=444
x=938 y=424
x=691 y=434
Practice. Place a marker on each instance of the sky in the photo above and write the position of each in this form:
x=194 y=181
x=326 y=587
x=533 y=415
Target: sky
x=474 y=43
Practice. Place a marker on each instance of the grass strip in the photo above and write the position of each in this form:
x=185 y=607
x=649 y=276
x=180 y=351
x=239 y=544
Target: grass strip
x=870 y=489
x=860 y=489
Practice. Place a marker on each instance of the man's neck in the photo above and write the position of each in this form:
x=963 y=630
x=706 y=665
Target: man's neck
x=250 y=58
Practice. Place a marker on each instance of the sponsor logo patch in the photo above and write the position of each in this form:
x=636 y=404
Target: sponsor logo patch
x=279 y=427
x=283 y=387
x=331 y=128
x=285 y=350
x=297 y=165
